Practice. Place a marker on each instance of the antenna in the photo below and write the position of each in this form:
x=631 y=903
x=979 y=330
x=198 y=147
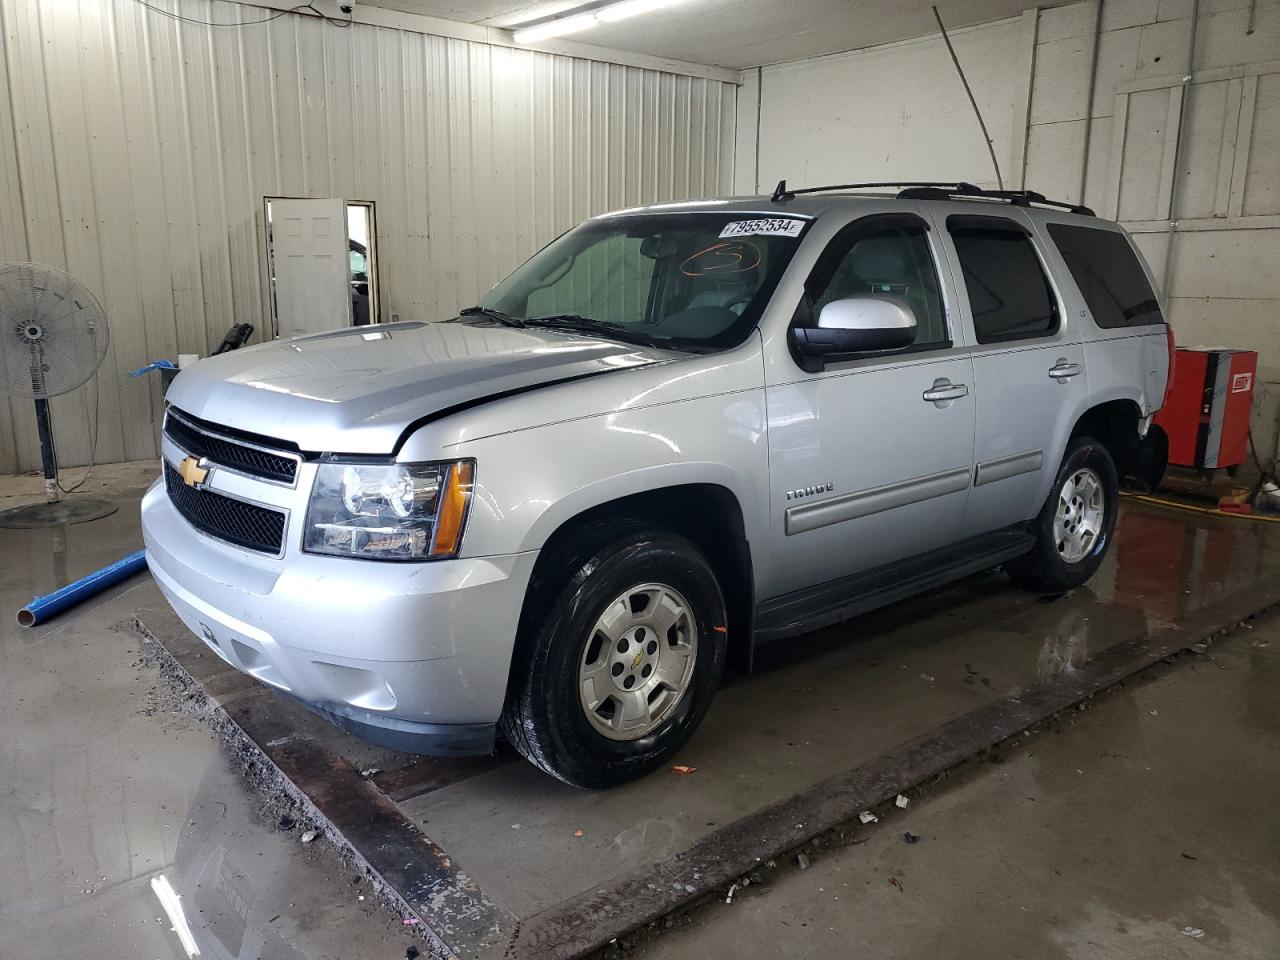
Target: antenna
x=972 y=102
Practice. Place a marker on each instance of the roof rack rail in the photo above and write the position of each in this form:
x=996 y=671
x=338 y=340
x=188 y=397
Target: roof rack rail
x=781 y=193
x=927 y=190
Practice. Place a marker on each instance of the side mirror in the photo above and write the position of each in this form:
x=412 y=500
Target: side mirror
x=868 y=324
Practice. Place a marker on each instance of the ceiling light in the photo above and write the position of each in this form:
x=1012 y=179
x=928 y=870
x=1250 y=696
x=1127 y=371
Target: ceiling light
x=609 y=13
x=630 y=8
x=555 y=28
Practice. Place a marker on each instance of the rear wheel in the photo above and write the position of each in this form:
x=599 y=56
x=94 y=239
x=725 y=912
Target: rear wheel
x=1073 y=530
x=617 y=665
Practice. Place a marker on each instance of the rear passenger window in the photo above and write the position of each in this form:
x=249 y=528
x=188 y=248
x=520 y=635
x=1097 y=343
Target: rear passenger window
x=1109 y=276
x=1009 y=295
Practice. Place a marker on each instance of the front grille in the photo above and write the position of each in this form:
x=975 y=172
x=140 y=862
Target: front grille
x=244 y=524
x=228 y=452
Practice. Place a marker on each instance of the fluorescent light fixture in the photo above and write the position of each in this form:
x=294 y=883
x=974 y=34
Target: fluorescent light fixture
x=609 y=13
x=630 y=8
x=172 y=904
x=555 y=28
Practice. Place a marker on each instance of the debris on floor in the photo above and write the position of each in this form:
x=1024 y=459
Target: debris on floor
x=310 y=835
x=732 y=890
x=578 y=833
x=901 y=802
x=910 y=838
x=371 y=772
x=866 y=816
x=802 y=861
x=681 y=770
x=1194 y=933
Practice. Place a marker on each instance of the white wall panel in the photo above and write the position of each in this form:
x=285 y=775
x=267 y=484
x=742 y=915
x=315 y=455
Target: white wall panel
x=139 y=150
x=886 y=113
x=897 y=111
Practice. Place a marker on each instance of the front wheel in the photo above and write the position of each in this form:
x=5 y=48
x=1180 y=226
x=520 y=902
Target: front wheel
x=1074 y=528
x=618 y=666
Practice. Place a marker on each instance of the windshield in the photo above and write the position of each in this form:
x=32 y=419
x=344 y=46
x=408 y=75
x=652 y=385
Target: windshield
x=685 y=280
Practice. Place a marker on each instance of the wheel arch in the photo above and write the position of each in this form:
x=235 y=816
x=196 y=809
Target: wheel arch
x=1114 y=424
x=707 y=513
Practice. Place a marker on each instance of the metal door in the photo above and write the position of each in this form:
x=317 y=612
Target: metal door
x=1029 y=382
x=870 y=459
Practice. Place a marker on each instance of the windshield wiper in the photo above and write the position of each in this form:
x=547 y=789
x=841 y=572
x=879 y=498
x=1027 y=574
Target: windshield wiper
x=505 y=319
x=573 y=321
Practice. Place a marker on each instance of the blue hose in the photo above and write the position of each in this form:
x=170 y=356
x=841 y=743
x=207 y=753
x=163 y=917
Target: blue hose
x=42 y=608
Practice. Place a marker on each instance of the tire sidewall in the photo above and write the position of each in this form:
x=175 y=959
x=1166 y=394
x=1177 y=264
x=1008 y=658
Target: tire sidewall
x=589 y=757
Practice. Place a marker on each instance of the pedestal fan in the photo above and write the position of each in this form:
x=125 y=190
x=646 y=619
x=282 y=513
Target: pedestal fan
x=53 y=338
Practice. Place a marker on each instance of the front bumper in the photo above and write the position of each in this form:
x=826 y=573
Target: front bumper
x=413 y=656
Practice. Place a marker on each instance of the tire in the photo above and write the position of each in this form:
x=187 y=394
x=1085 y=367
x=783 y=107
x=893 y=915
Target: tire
x=1063 y=557
x=597 y=612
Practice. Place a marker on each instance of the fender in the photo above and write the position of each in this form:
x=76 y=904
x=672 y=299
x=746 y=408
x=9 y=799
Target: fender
x=647 y=480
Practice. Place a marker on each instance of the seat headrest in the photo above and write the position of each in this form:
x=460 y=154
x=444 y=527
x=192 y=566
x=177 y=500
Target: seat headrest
x=879 y=260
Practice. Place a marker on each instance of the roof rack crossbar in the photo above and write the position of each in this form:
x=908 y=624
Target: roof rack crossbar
x=933 y=190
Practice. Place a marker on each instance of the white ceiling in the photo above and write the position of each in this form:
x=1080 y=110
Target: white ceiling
x=737 y=33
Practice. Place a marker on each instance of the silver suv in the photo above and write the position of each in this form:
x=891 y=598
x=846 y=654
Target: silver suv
x=676 y=432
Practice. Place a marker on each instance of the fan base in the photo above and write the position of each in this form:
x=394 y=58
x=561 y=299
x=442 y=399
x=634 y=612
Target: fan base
x=59 y=514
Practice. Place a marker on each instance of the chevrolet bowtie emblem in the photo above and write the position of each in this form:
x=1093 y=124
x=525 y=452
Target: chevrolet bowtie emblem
x=193 y=471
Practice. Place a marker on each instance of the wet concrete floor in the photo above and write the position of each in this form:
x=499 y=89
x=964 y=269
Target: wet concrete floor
x=104 y=788
x=1143 y=828
x=100 y=779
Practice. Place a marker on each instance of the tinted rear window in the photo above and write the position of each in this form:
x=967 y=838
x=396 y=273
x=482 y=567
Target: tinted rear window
x=1009 y=295
x=1109 y=276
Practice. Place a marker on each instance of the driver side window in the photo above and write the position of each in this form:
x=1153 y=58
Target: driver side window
x=890 y=261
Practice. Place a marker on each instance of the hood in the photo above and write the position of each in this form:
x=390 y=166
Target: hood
x=356 y=390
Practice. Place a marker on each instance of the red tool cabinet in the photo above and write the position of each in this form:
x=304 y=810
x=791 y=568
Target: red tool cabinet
x=1206 y=415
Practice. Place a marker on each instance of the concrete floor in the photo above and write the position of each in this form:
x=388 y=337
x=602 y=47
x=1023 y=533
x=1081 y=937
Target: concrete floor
x=112 y=787
x=103 y=786
x=1143 y=827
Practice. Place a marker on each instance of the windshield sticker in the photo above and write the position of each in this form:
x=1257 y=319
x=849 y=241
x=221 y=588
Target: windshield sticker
x=727 y=256
x=769 y=227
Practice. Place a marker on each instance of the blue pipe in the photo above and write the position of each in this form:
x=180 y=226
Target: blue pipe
x=51 y=604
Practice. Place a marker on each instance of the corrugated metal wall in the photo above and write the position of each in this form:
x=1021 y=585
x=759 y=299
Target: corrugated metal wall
x=136 y=150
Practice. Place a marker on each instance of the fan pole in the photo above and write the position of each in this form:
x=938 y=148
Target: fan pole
x=48 y=459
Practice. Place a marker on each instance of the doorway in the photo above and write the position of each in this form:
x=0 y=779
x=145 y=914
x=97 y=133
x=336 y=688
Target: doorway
x=321 y=264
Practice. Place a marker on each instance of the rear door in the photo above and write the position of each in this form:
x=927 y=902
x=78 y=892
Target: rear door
x=870 y=459
x=1028 y=363
x=1127 y=346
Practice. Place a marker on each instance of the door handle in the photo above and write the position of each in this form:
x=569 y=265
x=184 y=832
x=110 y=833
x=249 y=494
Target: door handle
x=944 y=390
x=1064 y=370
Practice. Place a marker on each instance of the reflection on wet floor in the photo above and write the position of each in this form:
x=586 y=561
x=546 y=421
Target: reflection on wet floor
x=107 y=796
x=98 y=798
x=1107 y=836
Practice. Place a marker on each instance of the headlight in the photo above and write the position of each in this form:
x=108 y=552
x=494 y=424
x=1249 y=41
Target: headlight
x=389 y=511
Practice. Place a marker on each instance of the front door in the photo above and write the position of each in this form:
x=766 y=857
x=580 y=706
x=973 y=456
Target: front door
x=1028 y=363
x=870 y=459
